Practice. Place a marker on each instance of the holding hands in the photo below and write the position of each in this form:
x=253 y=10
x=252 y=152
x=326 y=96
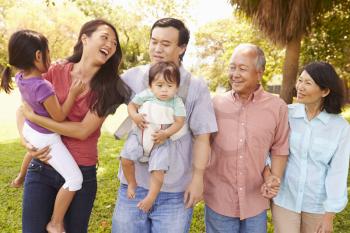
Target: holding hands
x=272 y=184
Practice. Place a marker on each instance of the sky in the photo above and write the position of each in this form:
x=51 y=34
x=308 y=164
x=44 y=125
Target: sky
x=203 y=10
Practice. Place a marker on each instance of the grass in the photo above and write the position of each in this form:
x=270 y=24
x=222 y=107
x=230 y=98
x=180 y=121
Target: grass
x=10 y=211
x=11 y=154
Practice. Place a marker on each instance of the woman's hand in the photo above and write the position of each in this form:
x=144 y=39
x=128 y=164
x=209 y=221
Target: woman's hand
x=42 y=154
x=271 y=186
x=326 y=224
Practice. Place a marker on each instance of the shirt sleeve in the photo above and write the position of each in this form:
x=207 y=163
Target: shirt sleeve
x=202 y=117
x=49 y=74
x=43 y=91
x=336 y=178
x=280 y=145
x=142 y=97
x=179 y=107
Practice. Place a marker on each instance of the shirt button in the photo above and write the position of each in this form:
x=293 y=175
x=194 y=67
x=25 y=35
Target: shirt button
x=242 y=123
x=240 y=140
x=240 y=156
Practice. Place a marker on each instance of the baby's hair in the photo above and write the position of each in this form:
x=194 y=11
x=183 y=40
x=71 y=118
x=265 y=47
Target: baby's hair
x=169 y=70
x=22 y=49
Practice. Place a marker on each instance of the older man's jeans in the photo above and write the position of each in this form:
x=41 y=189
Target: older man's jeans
x=167 y=215
x=41 y=185
x=217 y=223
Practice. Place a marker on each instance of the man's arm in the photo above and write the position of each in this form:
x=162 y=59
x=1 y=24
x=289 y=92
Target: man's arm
x=278 y=164
x=201 y=150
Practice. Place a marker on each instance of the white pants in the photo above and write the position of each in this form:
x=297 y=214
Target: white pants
x=61 y=159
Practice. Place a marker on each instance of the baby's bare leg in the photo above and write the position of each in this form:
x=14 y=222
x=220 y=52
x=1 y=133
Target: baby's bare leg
x=128 y=167
x=157 y=178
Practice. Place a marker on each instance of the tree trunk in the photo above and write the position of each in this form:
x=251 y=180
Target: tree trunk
x=290 y=69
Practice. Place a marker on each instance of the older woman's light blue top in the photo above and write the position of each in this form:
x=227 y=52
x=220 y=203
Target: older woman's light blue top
x=315 y=180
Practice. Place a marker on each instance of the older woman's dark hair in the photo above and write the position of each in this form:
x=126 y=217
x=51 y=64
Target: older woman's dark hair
x=325 y=77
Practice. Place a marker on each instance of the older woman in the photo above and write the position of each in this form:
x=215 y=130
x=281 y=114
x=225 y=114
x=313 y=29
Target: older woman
x=314 y=186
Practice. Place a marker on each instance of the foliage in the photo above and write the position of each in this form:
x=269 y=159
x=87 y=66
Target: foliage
x=329 y=39
x=57 y=26
x=286 y=23
x=10 y=209
x=215 y=43
x=63 y=19
x=128 y=24
x=283 y=21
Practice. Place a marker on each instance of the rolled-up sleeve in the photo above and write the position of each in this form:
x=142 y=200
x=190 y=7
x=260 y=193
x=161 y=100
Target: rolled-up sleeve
x=202 y=118
x=336 y=178
x=280 y=144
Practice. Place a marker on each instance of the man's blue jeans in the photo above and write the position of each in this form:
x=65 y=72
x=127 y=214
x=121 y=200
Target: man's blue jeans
x=167 y=215
x=41 y=185
x=217 y=223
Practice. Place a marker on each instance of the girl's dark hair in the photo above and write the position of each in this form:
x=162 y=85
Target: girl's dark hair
x=325 y=77
x=22 y=47
x=169 y=70
x=107 y=89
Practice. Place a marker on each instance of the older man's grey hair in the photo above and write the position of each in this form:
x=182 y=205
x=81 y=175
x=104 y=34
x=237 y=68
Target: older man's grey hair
x=260 y=56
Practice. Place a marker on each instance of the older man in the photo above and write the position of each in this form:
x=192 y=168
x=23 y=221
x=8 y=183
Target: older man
x=251 y=124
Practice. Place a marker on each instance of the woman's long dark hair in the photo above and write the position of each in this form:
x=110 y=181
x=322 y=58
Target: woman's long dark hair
x=108 y=91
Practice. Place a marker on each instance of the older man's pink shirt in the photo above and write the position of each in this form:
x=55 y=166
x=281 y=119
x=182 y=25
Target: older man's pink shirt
x=247 y=133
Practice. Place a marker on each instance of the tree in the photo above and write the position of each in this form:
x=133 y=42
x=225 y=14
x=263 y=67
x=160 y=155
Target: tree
x=285 y=23
x=215 y=42
x=329 y=40
x=52 y=20
x=133 y=24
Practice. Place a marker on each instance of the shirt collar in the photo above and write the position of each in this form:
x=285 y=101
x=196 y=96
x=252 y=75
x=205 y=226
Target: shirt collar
x=253 y=97
x=301 y=113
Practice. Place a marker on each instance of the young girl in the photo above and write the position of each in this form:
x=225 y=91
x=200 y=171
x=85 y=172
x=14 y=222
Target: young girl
x=152 y=110
x=28 y=52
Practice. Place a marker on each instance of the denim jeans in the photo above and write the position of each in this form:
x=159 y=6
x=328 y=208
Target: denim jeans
x=167 y=215
x=216 y=223
x=41 y=185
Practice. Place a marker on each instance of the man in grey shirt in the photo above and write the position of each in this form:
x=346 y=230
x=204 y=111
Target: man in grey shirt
x=183 y=183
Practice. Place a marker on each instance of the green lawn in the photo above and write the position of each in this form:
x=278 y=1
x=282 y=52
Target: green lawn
x=11 y=154
x=10 y=209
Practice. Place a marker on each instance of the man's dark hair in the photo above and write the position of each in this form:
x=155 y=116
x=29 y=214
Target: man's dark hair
x=184 y=33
